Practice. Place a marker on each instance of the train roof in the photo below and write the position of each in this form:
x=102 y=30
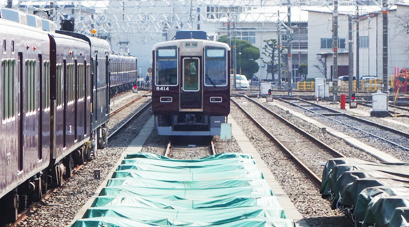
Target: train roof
x=97 y=44
x=191 y=35
x=182 y=41
x=65 y=40
x=117 y=57
x=28 y=19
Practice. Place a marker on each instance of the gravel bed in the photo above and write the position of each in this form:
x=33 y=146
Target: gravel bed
x=61 y=208
x=387 y=121
x=298 y=144
x=302 y=192
x=157 y=144
x=388 y=148
x=334 y=142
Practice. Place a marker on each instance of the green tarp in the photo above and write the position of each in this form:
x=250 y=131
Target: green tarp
x=378 y=194
x=220 y=190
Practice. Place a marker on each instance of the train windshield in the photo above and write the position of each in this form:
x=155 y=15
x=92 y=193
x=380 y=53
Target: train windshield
x=215 y=66
x=166 y=66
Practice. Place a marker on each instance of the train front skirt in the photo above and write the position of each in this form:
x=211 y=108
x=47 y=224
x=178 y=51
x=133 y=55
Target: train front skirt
x=189 y=124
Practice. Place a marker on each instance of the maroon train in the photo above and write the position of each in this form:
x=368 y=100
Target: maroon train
x=191 y=86
x=54 y=99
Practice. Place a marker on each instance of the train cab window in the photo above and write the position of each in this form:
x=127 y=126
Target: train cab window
x=166 y=66
x=101 y=75
x=191 y=74
x=215 y=66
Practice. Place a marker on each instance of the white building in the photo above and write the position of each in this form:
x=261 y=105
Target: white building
x=370 y=41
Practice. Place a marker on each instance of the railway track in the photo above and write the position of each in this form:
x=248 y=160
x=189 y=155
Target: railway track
x=288 y=144
x=115 y=111
x=387 y=134
x=391 y=106
x=32 y=208
x=177 y=148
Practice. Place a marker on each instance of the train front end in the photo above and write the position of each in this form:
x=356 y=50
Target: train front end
x=191 y=89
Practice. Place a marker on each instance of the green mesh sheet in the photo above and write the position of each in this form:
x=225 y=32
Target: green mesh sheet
x=377 y=194
x=219 y=190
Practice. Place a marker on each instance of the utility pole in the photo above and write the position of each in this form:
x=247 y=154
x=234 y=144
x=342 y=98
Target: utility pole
x=351 y=56
x=289 y=56
x=335 y=50
x=385 y=45
x=234 y=51
x=279 y=50
x=357 y=47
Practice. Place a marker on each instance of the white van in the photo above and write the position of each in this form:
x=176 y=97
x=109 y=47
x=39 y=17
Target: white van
x=241 y=81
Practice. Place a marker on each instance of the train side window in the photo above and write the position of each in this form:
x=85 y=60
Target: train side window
x=12 y=46
x=4 y=45
x=70 y=82
x=47 y=84
x=166 y=66
x=4 y=70
x=88 y=75
x=215 y=66
x=30 y=85
x=59 y=85
x=81 y=82
x=12 y=95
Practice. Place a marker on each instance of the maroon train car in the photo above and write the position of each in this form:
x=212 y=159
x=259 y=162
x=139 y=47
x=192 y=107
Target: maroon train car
x=45 y=99
x=123 y=73
x=25 y=113
x=191 y=87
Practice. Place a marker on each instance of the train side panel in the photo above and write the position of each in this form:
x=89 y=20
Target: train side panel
x=123 y=73
x=24 y=150
x=100 y=50
x=72 y=56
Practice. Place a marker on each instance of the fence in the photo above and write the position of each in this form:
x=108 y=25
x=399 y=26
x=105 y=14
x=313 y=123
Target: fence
x=367 y=85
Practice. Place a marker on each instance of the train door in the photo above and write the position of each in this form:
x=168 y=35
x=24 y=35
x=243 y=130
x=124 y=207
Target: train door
x=191 y=91
x=75 y=100
x=40 y=122
x=20 y=115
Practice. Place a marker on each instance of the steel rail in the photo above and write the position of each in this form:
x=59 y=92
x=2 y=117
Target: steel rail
x=212 y=148
x=391 y=111
x=126 y=105
x=307 y=171
x=168 y=149
x=355 y=118
x=331 y=150
x=131 y=118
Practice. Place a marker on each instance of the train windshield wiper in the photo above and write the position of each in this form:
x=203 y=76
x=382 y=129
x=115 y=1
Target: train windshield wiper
x=211 y=81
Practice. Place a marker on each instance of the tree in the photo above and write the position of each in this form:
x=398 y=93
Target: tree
x=322 y=67
x=270 y=49
x=246 y=56
x=303 y=70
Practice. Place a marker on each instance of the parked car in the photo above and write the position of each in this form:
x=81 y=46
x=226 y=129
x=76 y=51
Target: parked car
x=368 y=77
x=345 y=78
x=241 y=81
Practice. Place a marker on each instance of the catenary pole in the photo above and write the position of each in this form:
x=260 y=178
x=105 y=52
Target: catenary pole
x=335 y=50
